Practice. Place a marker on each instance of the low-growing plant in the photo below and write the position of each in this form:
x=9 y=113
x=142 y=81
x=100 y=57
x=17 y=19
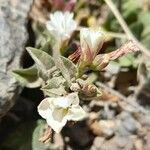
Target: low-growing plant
x=65 y=80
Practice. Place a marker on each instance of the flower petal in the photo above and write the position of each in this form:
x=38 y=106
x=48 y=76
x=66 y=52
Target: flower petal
x=61 y=25
x=55 y=118
x=76 y=113
x=44 y=108
x=65 y=102
x=59 y=113
x=91 y=40
x=56 y=125
x=62 y=102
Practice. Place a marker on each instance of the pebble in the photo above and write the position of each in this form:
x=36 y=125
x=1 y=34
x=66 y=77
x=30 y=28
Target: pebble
x=128 y=125
x=103 y=128
x=58 y=140
x=98 y=141
x=138 y=145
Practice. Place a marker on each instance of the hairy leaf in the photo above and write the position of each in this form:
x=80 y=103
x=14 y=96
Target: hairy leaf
x=28 y=77
x=43 y=60
x=70 y=66
x=54 y=92
x=55 y=87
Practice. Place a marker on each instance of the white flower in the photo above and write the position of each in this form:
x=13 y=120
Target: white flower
x=58 y=110
x=61 y=25
x=91 y=42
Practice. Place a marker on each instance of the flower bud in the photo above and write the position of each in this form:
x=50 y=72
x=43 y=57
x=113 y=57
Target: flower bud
x=91 y=42
x=89 y=90
x=100 y=62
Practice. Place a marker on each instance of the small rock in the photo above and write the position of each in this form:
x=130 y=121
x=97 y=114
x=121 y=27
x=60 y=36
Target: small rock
x=122 y=142
x=138 y=145
x=129 y=123
x=122 y=131
x=58 y=140
x=147 y=140
x=93 y=116
x=96 y=128
x=145 y=120
x=117 y=143
x=103 y=128
x=98 y=141
x=13 y=21
x=107 y=128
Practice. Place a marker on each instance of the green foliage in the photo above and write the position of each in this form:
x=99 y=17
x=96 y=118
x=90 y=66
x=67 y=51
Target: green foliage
x=145 y=20
x=55 y=87
x=44 y=73
x=43 y=61
x=28 y=77
x=136 y=17
x=70 y=66
x=127 y=60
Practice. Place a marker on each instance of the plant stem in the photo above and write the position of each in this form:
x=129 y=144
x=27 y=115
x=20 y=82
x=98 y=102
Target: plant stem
x=116 y=35
x=125 y=27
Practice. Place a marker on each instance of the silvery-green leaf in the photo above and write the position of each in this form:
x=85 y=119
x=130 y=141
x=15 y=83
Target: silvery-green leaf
x=54 y=92
x=38 y=132
x=70 y=66
x=55 y=86
x=28 y=77
x=55 y=82
x=43 y=60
